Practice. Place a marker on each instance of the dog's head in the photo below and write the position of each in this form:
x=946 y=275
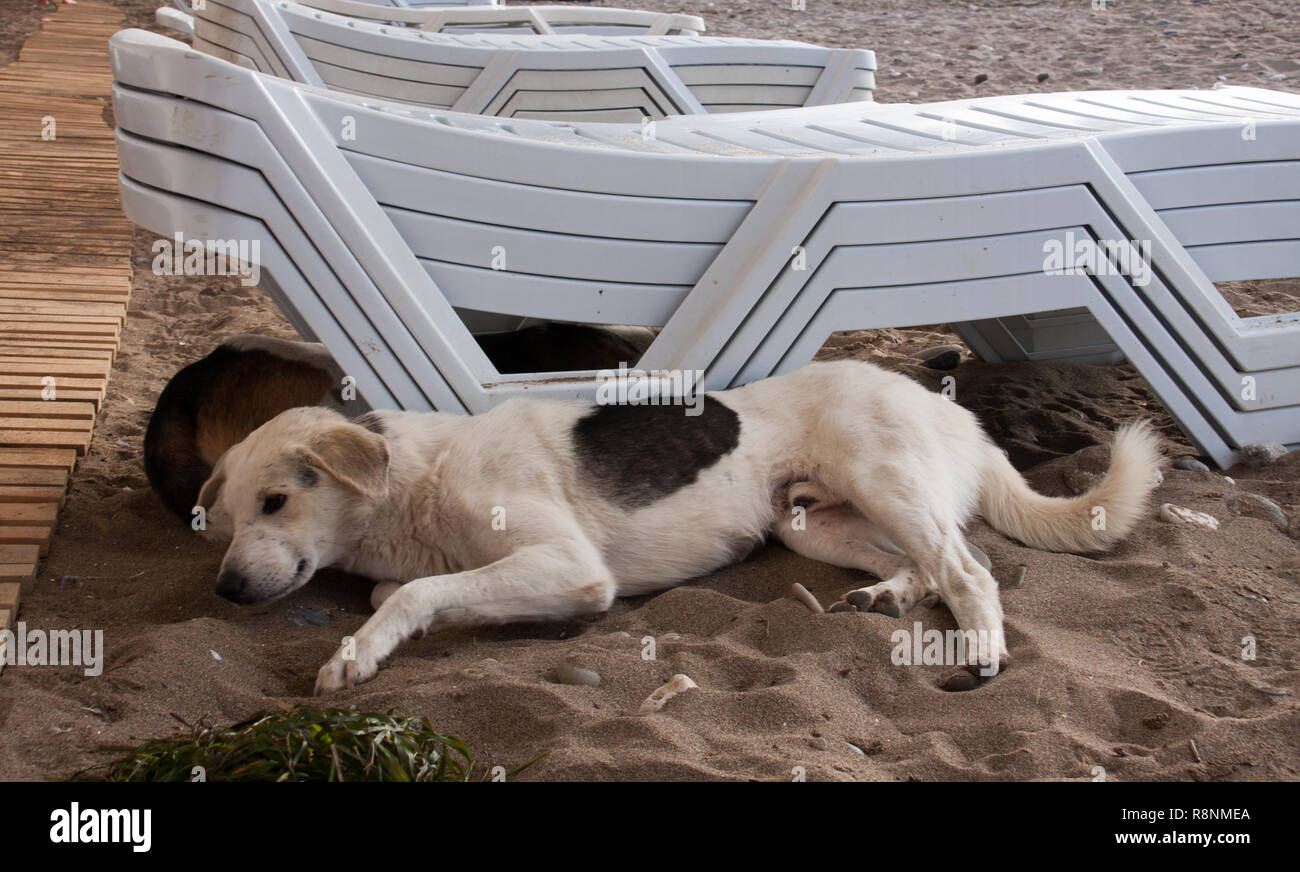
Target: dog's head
x=294 y=496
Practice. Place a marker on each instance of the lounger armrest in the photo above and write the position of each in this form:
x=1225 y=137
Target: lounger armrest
x=175 y=19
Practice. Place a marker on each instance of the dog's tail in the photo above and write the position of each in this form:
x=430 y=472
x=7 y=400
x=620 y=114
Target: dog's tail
x=1093 y=521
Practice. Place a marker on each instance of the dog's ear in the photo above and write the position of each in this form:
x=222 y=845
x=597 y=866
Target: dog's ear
x=212 y=487
x=354 y=456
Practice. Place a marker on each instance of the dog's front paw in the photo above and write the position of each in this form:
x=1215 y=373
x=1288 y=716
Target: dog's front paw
x=347 y=668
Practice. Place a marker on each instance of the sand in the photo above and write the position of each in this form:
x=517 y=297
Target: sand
x=1121 y=661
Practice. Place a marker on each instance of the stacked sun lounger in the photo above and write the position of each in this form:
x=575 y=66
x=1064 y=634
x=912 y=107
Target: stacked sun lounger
x=560 y=76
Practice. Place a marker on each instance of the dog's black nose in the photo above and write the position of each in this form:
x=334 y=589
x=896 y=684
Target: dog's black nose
x=230 y=585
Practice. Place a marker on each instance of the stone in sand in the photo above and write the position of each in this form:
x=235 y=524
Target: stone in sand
x=1256 y=506
x=1190 y=463
x=803 y=595
x=1179 y=515
x=568 y=673
x=304 y=616
x=941 y=357
x=678 y=684
x=1262 y=454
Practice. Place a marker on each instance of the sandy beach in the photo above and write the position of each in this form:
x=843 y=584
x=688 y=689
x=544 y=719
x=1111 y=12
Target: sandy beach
x=1131 y=661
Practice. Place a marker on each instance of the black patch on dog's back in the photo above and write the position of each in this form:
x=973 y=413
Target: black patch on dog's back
x=637 y=454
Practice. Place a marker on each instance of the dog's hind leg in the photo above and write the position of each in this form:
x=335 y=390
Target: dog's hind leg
x=842 y=536
x=553 y=580
x=920 y=521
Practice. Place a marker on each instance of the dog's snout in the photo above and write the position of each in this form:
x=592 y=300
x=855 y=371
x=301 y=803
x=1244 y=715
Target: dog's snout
x=230 y=585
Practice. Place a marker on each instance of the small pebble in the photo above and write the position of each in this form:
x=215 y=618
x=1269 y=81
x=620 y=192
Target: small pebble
x=69 y=581
x=1262 y=454
x=1179 y=515
x=621 y=634
x=1271 y=691
x=678 y=684
x=1256 y=506
x=1278 y=77
x=803 y=595
x=215 y=655
x=912 y=95
x=942 y=357
x=1190 y=463
x=1229 y=479
x=1021 y=572
x=1043 y=77
x=980 y=557
x=381 y=592
x=304 y=616
x=856 y=749
x=1170 y=32
x=567 y=673
x=981 y=78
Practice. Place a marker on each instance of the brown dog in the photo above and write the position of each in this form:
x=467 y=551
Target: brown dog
x=247 y=380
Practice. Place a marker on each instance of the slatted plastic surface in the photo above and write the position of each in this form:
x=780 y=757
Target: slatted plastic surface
x=65 y=273
x=534 y=18
x=562 y=76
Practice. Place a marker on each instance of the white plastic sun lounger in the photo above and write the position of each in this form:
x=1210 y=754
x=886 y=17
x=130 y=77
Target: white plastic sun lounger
x=562 y=76
x=748 y=237
x=542 y=19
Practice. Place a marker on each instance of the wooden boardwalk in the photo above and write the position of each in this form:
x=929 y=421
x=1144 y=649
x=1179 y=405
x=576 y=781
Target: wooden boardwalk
x=65 y=273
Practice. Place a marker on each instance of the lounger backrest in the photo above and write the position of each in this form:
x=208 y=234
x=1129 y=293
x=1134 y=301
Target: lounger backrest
x=559 y=77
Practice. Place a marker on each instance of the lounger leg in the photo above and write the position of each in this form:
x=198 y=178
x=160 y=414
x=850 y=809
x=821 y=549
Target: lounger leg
x=536 y=582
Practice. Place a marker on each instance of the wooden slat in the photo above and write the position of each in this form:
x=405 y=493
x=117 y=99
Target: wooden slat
x=79 y=442
x=39 y=458
x=65 y=274
x=48 y=410
x=33 y=476
x=12 y=534
x=26 y=493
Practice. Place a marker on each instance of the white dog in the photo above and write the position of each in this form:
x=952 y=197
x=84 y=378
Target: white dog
x=547 y=509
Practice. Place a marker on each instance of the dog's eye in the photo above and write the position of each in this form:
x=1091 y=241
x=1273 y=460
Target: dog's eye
x=272 y=504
